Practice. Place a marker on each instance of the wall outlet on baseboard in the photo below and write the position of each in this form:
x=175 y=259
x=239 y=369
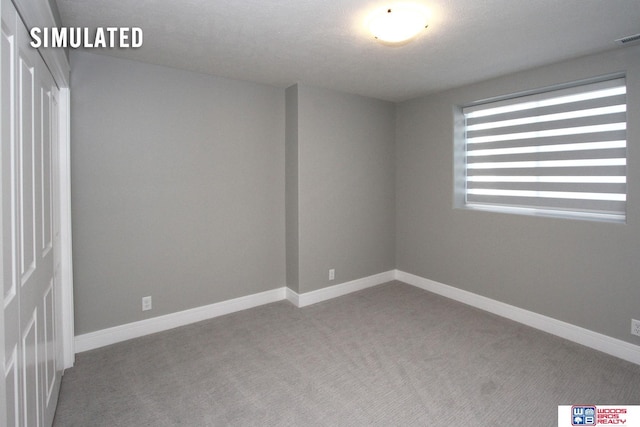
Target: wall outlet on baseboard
x=635 y=327
x=146 y=303
x=332 y=274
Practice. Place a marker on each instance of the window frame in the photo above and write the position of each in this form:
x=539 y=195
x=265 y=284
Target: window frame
x=460 y=158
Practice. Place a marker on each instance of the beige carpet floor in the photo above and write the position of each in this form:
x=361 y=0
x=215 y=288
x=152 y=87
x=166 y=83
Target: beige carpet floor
x=392 y=355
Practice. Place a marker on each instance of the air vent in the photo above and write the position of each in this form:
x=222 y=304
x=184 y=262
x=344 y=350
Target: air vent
x=628 y=40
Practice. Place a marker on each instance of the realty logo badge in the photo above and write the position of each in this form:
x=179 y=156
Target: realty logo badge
x=583 y=415
x=598 y=415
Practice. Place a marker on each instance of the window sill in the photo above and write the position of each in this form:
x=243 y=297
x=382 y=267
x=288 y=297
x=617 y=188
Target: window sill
x=550 y=213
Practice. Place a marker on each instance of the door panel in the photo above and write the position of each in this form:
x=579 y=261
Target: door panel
x=12 y=383
x=11 y=311
x=45 y=170
x=44 y=287
x=9 y=271
x=31 y=272
x=26 y=179
x=30 y=383
x=29 y=139
x=49 y=344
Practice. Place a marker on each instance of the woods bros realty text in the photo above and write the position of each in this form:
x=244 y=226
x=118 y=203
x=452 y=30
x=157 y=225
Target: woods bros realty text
x=77 y=37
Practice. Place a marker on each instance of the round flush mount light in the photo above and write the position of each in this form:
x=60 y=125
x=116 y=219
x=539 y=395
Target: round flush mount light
x=399 y=23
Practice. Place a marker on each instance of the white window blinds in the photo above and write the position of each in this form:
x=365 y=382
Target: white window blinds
x=558 y=152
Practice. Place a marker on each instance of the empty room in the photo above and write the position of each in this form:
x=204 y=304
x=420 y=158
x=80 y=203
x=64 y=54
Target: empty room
x=312 y=213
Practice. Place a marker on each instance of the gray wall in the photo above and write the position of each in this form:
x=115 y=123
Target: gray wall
x=182 y=184
x=55 y=11
x=583 y=272
x=177 y=189
x=291 y=186
x=345 y=186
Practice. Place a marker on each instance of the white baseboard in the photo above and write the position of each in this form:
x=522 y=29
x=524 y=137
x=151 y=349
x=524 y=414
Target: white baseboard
x=595 y=340
x=104 y=337
x=292 y=297
x=308 y=298
x=128 y=331
x=606 y=344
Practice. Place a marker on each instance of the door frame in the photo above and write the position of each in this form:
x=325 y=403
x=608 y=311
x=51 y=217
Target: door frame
x=65 y=296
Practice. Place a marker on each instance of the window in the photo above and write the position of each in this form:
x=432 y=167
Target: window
x=556 y=152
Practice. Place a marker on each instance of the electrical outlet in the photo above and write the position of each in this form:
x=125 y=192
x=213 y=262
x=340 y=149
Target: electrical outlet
x=635 y=327
x=332 y=274
x=146 y=303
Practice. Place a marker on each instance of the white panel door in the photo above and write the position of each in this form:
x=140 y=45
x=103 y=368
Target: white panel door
x=45 y=288
x=8 y=154
x=32 y=377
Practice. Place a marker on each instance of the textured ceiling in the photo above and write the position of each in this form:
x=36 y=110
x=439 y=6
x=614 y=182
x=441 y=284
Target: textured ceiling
x=324 y=43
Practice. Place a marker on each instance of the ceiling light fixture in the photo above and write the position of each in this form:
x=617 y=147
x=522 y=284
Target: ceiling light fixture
x=399 y=23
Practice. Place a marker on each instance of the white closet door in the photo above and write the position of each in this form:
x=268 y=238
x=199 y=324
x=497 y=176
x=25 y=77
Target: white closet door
x=32 y=378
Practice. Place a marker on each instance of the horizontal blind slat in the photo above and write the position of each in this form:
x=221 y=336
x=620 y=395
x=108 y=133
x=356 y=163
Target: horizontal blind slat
x=618 y=135
x=481 y=151
x=494 y=179
x=616 y=153
x=576 y=123
x=580 y=130
x=619 y=170
x=550 y=186
x=553 y=109
x=565 y=204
